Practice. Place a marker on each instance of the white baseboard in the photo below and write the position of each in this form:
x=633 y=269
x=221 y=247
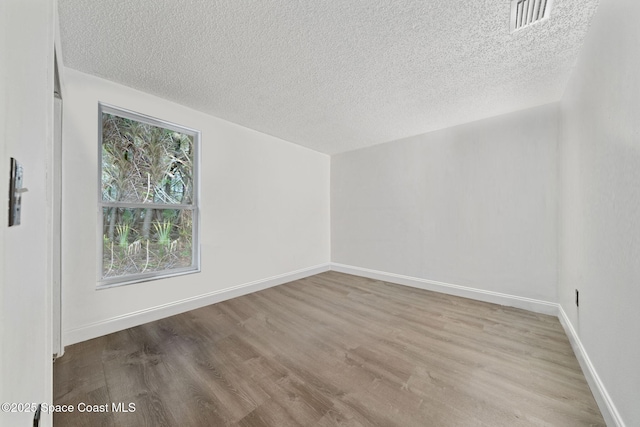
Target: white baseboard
x=129 y=320
x=537 y=306
x=607 y=408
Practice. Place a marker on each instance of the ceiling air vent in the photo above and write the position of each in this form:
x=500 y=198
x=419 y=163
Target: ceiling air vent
x=527 y=12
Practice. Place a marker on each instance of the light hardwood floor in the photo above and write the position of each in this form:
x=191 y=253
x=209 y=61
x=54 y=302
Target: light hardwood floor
x=332 y=350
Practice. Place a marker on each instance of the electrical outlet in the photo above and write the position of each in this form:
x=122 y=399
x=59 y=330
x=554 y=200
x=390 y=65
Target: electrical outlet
x=577 y=298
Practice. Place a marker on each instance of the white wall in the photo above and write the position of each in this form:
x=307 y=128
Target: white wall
x=26 y=111
x=600 y=209
x=473 y=205
x=264 y=212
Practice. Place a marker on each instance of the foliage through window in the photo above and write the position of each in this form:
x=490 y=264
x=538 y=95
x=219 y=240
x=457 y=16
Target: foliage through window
x=148 y=196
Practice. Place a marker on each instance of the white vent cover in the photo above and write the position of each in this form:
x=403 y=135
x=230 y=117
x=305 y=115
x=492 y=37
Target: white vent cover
x=527 y=12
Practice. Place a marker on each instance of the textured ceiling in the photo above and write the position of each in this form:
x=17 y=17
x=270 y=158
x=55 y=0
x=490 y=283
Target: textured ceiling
x=331 y=75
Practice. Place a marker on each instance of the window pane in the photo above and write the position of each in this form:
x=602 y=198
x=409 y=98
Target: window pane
x=143 y=240
x=142 y=163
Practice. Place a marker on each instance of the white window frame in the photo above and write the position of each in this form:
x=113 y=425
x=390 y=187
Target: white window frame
x=195 y=206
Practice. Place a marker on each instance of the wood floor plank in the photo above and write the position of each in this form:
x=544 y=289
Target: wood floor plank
x=332 y=350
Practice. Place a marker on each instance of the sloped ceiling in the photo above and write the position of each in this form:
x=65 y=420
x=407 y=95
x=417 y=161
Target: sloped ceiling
x=331 y=75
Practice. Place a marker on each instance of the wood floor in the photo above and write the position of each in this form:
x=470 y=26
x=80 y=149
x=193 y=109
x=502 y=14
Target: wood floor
x=332 y=350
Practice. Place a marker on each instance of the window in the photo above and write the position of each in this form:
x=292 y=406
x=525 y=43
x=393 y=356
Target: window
x=148 y=213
